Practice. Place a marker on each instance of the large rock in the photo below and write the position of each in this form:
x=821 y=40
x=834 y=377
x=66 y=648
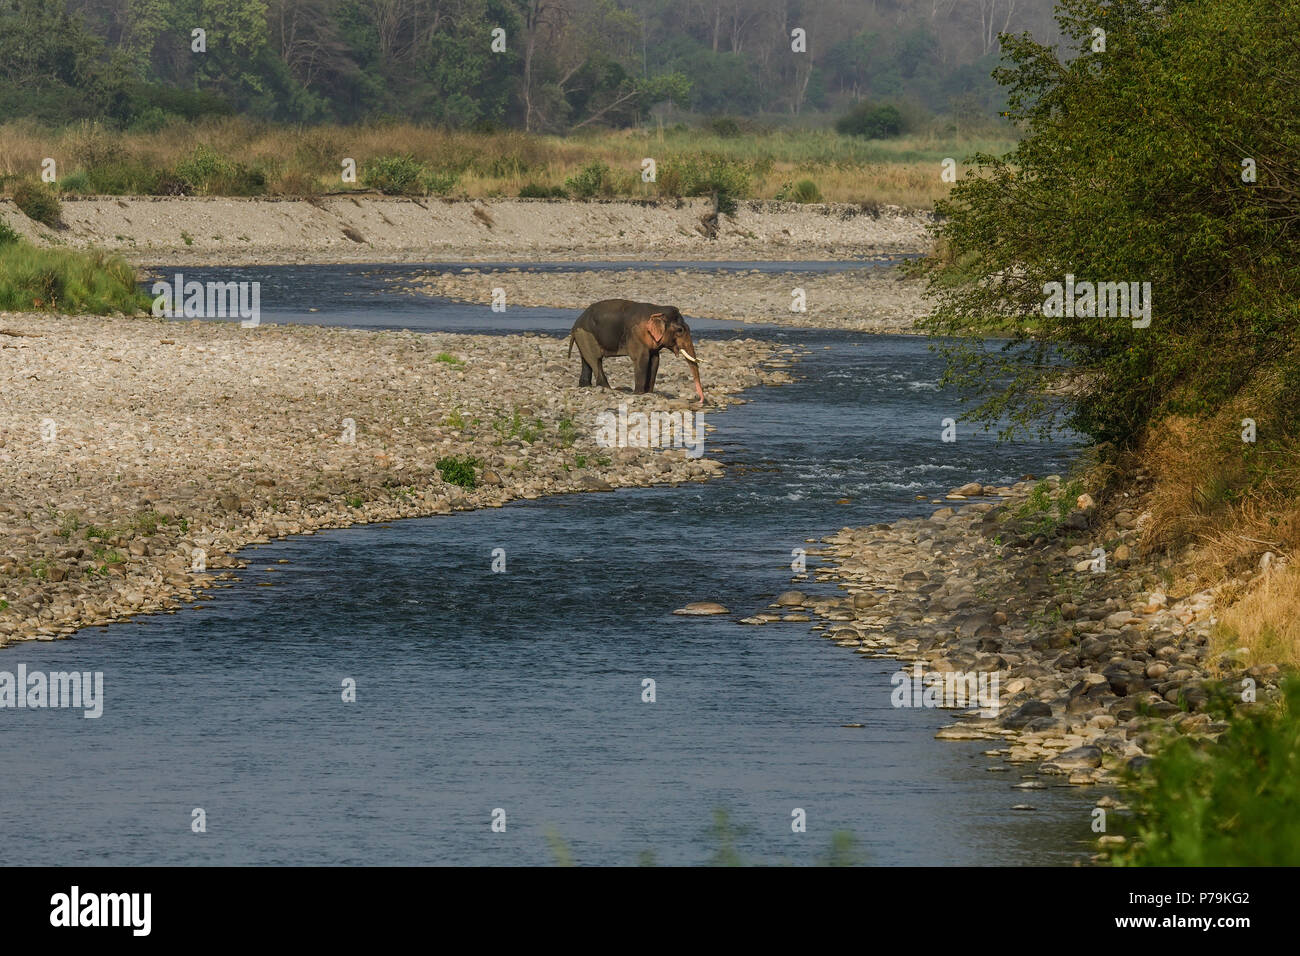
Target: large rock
x=701 y=609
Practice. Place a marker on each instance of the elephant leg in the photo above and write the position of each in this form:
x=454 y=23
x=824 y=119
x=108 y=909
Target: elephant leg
x=640 y=356
x=591 y=354
x=601 y=380
x=653 y=372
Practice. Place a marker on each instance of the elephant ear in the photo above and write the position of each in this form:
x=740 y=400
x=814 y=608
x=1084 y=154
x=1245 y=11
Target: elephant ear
x=655 y=327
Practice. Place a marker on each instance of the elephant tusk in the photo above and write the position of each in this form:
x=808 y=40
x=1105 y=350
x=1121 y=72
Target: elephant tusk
x=690 y=358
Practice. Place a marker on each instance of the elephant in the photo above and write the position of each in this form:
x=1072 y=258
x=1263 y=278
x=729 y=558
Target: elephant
x=638 y=330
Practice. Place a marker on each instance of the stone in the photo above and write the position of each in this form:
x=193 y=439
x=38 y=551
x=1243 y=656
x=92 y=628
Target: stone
x=1078 y=758
x=701 y=609
x=790 y=598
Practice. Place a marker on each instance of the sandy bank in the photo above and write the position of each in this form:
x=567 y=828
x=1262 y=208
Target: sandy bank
x=868 y=300
x=128 y=444
x=154 y=230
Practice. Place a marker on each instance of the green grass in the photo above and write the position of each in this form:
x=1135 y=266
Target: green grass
x=459 y=470
x=449 y=359
x=63 y=280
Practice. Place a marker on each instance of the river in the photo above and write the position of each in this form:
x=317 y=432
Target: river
x=522 y=691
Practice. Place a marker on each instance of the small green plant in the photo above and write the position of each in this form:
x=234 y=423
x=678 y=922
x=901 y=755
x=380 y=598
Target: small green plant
x=568 y=432
x=459 y=470
x=439 y=184
x=39 y=202
x=187 y=238
x=449 y=359
x=354 y=501
x=148 y=522
x=395 y=175
x=804 y=191
x=7 y=234
x=591 y=180
x=455 y=420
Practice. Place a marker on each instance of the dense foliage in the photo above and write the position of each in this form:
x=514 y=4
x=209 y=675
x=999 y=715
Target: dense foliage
x=564 y=63
x=1227 y=803
x=1136 y=167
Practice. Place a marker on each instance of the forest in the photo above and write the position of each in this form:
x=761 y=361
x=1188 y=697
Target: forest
x=546 y=66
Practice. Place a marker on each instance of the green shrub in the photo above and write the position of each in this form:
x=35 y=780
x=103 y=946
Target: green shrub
x=7 y=234
x=67 y=281
x=705 y=174
x=589 y=181
x=439 y=184
x=723 y=126
x=39 y=202
x=76 y=184
x=122 y=178
x=207 y=171
x=395 y=175
x=872 y=122
x=459 y=470
x=536 y=191
x=805 y=190
x=1231 y=802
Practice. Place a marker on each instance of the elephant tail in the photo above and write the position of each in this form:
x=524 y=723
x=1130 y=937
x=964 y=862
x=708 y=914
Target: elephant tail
x=570 y=345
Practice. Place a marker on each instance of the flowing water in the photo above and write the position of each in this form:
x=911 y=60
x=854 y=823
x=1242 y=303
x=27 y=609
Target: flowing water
x=522 y=691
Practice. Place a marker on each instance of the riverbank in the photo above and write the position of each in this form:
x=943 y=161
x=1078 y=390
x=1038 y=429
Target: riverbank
x=218 y=231
x=135 y=451
x=872 y=299
x=1098 y=661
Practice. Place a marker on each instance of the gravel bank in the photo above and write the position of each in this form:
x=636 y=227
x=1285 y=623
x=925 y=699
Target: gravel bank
x=867 y=300
x=167 y=230
x=126 y=445
x=1095 y=666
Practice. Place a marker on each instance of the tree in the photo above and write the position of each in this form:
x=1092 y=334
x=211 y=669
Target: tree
x=1131 y=170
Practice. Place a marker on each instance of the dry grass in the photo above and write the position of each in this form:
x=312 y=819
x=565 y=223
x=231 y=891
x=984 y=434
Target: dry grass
x=304 y=161
x=1220 y=504
x=1266 y=620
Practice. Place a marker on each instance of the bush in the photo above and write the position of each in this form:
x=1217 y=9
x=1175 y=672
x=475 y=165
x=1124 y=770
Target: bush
x=705 y=174
x=1230 y=802
x=7 y=234
x=536 y=191
x=459 y=470
x=207 y=171
x=76 y=184
x=723 y=126
x=1156 y=202
x=805 y=190
x=879 y=122
x=589 y=181
x=123 y=178
x=395 y=175
x=439 y=184
x=39 y=203
x=67 y=281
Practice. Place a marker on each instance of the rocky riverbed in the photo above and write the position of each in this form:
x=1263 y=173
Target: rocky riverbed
x=138 y=455
x=869 y=299
x=1097 y=662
